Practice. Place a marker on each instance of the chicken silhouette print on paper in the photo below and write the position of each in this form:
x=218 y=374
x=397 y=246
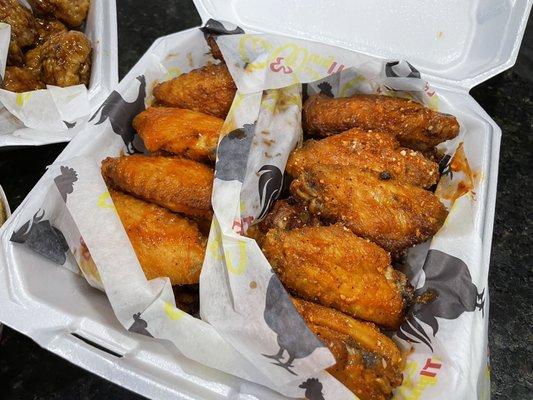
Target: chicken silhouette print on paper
x=294 y=338
x=121 y=113
x=313 y=389
x=270 y=185
x=325 y=89
x=447 y=293
x=232 y=154
x=221 y=28
x=139 y=325
x=65 y=181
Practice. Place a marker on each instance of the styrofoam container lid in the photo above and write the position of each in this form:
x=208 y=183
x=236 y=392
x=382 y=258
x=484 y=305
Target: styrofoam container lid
x=457 y=42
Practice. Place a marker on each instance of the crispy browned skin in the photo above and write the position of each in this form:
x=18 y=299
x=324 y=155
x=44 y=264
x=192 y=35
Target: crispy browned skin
x=71 y=12
x=215 y=50
x=22 y=29
x=332 y=266
x=165 y=243
x=18 y=79
x=47 y=28
x=391 y=214
x=368 y=362
x=414 y=125
x=377 y=152
x=180 y=185
x=209 y=90
x=63 y=60
x=178 y=131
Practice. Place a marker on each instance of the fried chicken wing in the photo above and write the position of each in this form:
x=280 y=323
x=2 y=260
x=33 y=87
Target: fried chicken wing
x=71 y=12
x=46 y=28
x=178 y=131
x=18 y=79
x=179 y=185
x=215 y=50
x=332 y=266
x=377 y=152
x=22 y=29
x=367 y=362
x=414 y=125
x=166 y=244
x=63 y=60
x=209 y=90
x=391 y=214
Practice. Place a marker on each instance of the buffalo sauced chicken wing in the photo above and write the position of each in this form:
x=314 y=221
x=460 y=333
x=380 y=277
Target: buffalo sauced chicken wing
x=70 y=12
x=22 y=29
x=19 y=79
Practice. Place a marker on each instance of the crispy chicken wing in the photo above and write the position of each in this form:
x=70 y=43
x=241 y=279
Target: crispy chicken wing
x=178 y=131
x=209 y=90
x=180 y=185
x=47 y=28
x=332 y=266
x=414 y=125
x=22 y=29
x=391 y=214
x=377 y=152
x=215 y=50
x=18 y=79
x=71 y=12
x=368 y=362
x=63 y=60
x=165 y=243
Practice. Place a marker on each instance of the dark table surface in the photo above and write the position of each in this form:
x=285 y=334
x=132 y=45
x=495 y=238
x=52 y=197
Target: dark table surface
x=29 y=372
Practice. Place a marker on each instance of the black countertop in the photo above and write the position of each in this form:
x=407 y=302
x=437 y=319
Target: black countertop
x=29 y=372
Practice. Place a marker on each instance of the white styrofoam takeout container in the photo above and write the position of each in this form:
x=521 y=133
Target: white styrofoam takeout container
x=455 y=44
x=101 y=29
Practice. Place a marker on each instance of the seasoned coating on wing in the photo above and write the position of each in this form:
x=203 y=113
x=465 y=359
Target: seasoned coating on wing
x=71 y=12
x=63 y=60
x=165 y=243
x=18 y=79
x=215 y=51
x=180 y=185
x=209 y=90
x=22 y=29
x=178 y=131
x=414 y=125
x=377 y=152
x=332 y=266
x=46 y=28
x=368 y=362
x=391 y=214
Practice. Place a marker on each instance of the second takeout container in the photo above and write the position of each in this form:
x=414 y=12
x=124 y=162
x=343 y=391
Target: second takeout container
x=446 y=41
x=101 y=29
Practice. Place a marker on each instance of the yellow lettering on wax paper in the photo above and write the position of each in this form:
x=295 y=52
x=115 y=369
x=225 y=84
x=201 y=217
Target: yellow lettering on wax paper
x=418 y=378
x=242 y=259
x=22 y=98
x=104 y=201
x=172 y=312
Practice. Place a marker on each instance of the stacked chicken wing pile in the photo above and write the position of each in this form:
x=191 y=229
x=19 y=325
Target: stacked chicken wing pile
x=359 y=197
x=45 y=47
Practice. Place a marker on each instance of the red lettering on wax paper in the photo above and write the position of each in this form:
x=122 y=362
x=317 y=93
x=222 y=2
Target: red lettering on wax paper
x=331 y=69
x=428 y=91
x=277 y=66
x=430 y=364
x=240 y=226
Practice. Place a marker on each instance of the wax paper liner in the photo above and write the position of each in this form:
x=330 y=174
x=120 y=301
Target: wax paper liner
x=249 y=327
x=54 y=114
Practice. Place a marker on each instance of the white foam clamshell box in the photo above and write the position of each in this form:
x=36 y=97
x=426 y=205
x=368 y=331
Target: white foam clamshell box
x=455 y=44
x=101 y=29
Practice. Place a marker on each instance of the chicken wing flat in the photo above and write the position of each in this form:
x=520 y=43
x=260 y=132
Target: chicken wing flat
x=46 y=28
x=71 y=12
x=387 y=212
x=165 y=243
x=368 y=362
x=178 y=131
x=209 y=90
x=63 y=60
x=377 y=152
x=332 y=266
x=18 y=79
x=22 y=29
x=414 y=125
x=179 y=185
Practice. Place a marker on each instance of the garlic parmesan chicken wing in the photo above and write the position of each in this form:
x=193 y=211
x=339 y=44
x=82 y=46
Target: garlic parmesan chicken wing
x=367 y=362
x=209 y=90
x=22 y=29
x=377 y=152
x=179 y=185
x=332 y=266
x=414 y=125
x=178 y=131
x=166 y=244
x=70 y=12
x=63 y=60
x=387 y=212
x=18 y=79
